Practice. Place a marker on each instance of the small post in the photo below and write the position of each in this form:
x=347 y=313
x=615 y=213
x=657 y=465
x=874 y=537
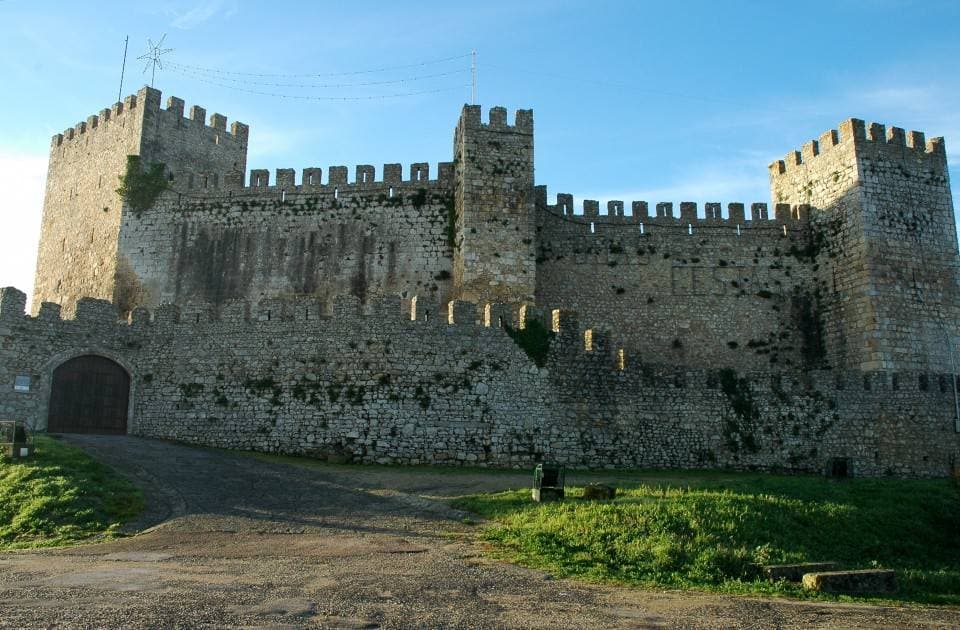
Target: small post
x=123 y=68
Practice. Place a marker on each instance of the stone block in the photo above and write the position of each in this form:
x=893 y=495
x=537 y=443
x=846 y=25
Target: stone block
x=795 y=572
x=599 y=492
x=852 y=582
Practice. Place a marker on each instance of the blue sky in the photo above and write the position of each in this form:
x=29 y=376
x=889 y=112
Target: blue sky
x=681 y=101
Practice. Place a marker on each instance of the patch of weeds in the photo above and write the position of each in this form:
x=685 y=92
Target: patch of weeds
x=534 y=339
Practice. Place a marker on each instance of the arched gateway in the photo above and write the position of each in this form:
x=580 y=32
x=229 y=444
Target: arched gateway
x=89 y=394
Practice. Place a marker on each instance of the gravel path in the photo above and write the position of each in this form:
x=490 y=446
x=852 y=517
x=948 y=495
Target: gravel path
x=234 y=541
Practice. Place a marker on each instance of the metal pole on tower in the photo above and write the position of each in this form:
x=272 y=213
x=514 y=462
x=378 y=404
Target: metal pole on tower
x=123 y=68
x=473 y=77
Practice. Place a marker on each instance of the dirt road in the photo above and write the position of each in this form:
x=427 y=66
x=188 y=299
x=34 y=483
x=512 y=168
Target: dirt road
x=235 y=541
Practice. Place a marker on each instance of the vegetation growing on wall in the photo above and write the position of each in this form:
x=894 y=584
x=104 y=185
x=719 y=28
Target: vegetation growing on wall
x=452 y=218
x=139 y=187
x=738 y=428
x=534 y=339
x=805 y=311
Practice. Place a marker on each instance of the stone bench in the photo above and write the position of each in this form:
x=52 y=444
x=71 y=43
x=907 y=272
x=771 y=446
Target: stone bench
x=795 y=572
x=852 y=582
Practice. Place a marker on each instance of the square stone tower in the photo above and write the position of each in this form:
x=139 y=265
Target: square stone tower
x=883 y=244
x=494 y=249
x=78 y=254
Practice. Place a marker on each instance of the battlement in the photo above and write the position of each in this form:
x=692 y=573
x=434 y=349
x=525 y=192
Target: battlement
x=148 y=100
x=784 y=215
x=301 y=309
x=856 y=134
x=313 y=181
x=585 y=344
x=197 y=116
x=602 y=348
x=470 y=118
x=115 y=113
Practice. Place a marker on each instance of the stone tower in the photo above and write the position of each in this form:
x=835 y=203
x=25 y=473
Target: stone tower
x=82 y=213
x=883 y=243
x=494 y=249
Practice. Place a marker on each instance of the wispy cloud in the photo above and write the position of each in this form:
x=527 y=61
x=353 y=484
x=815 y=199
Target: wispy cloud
x=202 y=12
x=740 y=179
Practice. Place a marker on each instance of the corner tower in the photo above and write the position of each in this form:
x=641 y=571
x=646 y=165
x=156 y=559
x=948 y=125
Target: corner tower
x=82 y=213
x=494 y=230
x=884 y=242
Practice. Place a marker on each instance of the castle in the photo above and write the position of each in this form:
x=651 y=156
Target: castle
x=461 y=318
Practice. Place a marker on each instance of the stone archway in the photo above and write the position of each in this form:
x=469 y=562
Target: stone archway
x=89 y=394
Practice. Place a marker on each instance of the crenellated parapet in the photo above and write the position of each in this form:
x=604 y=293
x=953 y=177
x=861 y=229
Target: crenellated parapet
x=471 y=118
x=314 y=181
x=600 y=347
x=876 y=138
x=298 y=311
x=738 y=216
x=146 y=102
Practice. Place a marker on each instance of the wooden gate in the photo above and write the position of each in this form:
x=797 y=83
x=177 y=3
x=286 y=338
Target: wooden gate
x=89 y=394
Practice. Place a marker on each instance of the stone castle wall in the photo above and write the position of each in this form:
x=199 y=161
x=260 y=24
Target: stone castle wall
x=858 y=258
x=495 y=222
x=379 y=387
x=687 y=290
x=81 y=210
x=220 y=240
x=312 y=316
x=82 y=213
x=885 y=240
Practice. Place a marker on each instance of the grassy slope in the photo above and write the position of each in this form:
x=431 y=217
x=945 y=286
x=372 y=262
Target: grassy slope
x=61 y=496
x=711 y=532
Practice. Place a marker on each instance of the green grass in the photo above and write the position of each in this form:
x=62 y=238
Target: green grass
x=62 y=496
x=712 y=532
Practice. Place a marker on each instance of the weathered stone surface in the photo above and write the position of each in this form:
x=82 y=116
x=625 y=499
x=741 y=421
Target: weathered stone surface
x=382 y=388
x=852 y=582
x=795 y=572
x=316 y=317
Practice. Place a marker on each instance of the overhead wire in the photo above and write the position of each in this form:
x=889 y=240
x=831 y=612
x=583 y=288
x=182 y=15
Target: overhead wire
x=313 y=97
x=261 y=83
x=630 y=87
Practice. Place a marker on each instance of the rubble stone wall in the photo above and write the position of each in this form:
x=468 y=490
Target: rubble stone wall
x=380 y=387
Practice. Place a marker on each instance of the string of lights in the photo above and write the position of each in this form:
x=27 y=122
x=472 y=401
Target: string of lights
x=313 y=97
x=198 y=75
x=219 y=71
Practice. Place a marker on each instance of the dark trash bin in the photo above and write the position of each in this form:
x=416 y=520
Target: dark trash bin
x=548 y=483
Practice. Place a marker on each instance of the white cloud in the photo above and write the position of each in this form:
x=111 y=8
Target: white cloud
x=201 y=13
x=22 y=177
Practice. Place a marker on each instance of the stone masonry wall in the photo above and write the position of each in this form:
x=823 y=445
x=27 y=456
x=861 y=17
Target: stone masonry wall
x=226 y=241
x=718 y=291
x=191 y=148
x=885 y=243
x=83 y=213
x=495 y=251
x=81 y=210
x=379 y=387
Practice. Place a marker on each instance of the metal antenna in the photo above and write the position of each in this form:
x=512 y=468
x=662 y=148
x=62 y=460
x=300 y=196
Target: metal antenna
x=473 y=77
x=152 y=57
x=123 y=68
